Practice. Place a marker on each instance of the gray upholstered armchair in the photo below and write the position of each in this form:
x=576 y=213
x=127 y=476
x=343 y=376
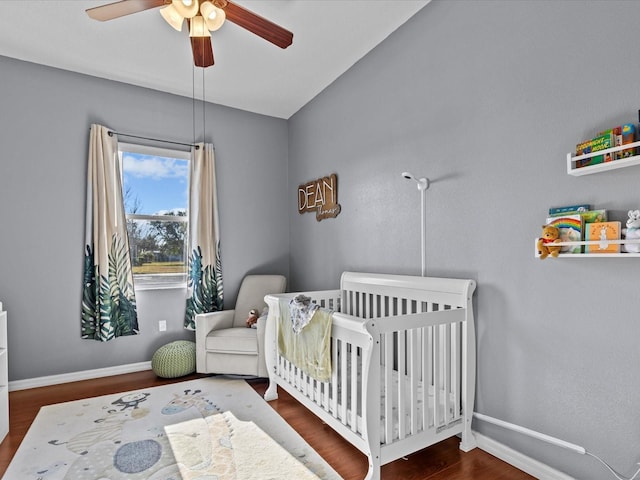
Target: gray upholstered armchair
x=224 y=344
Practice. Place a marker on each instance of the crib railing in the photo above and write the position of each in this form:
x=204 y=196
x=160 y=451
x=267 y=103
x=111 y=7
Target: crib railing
x=414 y=349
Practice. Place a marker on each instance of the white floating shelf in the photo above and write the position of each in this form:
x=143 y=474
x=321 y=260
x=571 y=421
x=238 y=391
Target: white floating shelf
x=590 y=242
x=602 y=167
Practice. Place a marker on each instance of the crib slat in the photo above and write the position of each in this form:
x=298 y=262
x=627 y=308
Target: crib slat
x=343 y=382
x=376 y=306
x=427 y=375
x=304 y=382
x=447 y=377
x=388 y=388
x=334 y=376
x=402 y=368
x=436 y=375
x=354 y=397
x=363 y=305
x=424 y=349
x=413 y=379
x=455 y=379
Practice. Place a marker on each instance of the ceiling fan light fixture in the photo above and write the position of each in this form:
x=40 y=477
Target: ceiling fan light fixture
x=172 y=17
x=213 y=16
x=198 y=27
x=186 y=8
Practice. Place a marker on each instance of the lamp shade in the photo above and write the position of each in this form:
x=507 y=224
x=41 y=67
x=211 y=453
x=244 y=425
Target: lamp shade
x=198 y=27
x=172 y=17
x=186 y=8
x=213 y=16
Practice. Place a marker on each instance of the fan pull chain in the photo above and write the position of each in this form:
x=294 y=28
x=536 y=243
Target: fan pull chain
x=193 y=101
x=204 y=121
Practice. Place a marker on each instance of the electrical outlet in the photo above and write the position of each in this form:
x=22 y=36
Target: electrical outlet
x=162 y=325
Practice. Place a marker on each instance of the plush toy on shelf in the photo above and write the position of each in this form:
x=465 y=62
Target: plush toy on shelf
x=546 y=247
x=632 y=232
x=252 y=319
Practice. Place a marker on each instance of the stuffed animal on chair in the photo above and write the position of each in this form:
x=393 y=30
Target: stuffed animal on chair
x=252 y=319
x=550 y=235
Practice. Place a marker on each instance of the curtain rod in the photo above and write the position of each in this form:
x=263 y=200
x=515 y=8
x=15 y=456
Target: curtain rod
x=112 y=132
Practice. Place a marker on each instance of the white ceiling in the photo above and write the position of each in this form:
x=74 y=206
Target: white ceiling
x=251 y=74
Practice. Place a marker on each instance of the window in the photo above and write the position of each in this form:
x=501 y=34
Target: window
x=155 y=187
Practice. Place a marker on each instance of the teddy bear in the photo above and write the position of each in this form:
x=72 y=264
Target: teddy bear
x=632 y=232
x=550 y=235
x=254 y=316
x=252 y=319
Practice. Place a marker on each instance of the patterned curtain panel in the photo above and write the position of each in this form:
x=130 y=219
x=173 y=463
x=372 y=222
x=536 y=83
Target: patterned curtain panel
x=108 y=299
x=205 y=293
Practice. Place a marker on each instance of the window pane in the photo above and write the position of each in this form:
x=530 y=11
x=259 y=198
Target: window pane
x=154 y=186
x=157 y=250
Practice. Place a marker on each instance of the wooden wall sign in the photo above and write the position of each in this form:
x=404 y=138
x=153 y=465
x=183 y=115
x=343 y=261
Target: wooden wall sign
x=320 y=196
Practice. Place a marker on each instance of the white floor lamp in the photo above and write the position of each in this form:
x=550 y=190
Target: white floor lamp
x=423 y=184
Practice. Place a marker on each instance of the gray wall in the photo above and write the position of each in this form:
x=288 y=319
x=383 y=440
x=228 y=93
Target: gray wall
x=44 y=130
x=486 y=98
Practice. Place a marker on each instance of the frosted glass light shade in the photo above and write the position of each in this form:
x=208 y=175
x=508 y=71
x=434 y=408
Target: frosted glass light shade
x=198 y=27
x=172 y=17
x=214 y=17
x=186 y=8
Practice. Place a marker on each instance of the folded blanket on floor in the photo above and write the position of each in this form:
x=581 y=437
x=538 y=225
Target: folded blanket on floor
x=309 y=350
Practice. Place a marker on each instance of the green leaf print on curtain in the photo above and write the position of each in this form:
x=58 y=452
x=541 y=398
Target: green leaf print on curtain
x=108 y=298
x=205 y=292
x=114 y=314
x=206 y=287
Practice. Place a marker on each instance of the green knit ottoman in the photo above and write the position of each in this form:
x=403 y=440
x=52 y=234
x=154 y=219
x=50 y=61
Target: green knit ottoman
x=174 y=359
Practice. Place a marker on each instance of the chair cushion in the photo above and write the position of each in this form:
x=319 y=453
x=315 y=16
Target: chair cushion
x=174 y=359
x=239 y=340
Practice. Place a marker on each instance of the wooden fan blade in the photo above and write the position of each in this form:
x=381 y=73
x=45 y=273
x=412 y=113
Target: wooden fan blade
x=258 y=25
x=202 y=51
x=122 y=8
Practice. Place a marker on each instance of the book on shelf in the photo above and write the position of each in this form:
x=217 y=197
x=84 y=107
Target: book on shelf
x=594 y=216
x=582 y=149
x=601 y=142
x=617 y=141
x=602 y=231
x=571 y=228
x=569 y=210
x=628 y=136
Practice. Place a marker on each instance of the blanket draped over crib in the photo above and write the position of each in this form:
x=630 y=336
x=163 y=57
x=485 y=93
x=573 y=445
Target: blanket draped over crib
x=310 y=349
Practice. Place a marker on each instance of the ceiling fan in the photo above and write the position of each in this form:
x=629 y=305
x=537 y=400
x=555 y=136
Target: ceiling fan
x=203 y=17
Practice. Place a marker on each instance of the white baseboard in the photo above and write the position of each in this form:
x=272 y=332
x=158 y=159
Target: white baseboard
x=519 y=460
x=76 y=376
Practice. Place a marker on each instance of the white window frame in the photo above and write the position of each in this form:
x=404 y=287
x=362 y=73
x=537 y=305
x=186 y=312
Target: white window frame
x=167 y=153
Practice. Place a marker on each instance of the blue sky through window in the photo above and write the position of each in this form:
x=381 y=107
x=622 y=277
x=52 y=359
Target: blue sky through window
x=159 y=184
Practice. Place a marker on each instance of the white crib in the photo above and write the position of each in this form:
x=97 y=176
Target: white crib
x=403 y=363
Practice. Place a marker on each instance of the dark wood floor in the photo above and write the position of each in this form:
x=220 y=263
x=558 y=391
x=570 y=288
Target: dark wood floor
x=439 y=462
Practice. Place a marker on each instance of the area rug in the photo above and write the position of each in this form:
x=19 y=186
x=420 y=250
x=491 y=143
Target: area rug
x=205 y=429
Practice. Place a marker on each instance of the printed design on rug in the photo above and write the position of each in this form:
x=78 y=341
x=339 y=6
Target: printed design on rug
x=174 y=432
x=104 y=454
